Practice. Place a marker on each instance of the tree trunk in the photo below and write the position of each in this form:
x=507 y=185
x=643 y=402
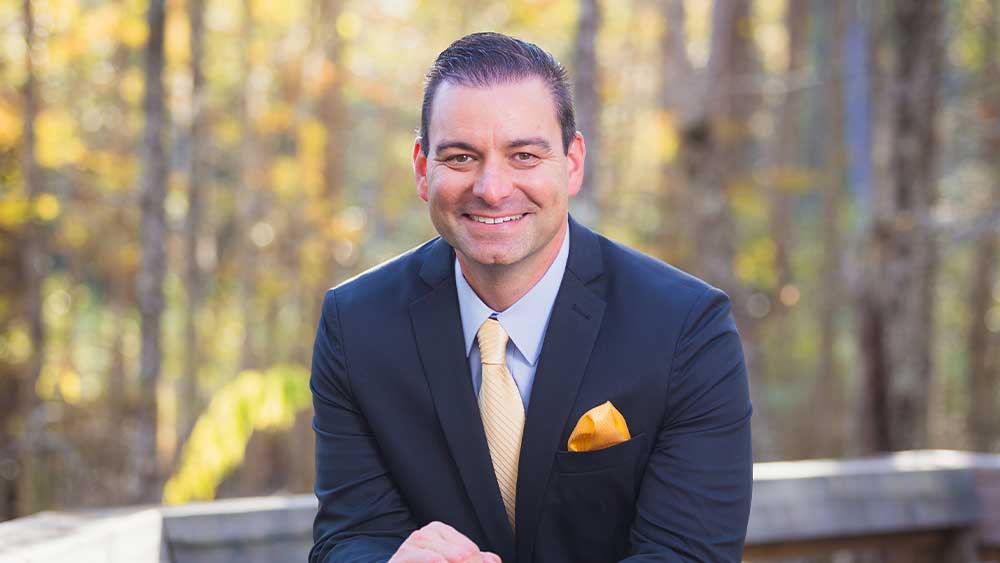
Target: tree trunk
x=116 y=407
x=334 y=117
x=330 y=102
x=11 y=274
x=714 y=148
x=713 y=123
x=828 y=399
x=35 y=269
x=153 y=265
x=796 y=20
x=189 y=402
x=913 y=260
x=726 y=147
x=901 y=253
x=778 y=189
x=984 y=373
x=675 y=104
x=870 y=38
x=248 y=206
x=983 y=367
x=711 y=111
x=586 y=97
x=122 y=481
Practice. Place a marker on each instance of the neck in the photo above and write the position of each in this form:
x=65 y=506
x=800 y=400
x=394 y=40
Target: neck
x=501 y=285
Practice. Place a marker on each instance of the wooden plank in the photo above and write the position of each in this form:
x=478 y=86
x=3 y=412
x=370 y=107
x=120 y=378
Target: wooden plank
x=115 y=537
x=895 y=493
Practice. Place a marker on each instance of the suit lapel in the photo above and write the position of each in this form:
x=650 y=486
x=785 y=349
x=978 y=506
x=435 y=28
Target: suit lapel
x=573 y=327
x=438 y=329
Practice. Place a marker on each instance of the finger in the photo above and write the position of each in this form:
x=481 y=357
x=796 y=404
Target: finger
x=414 y=554
x=444 y=540
x=460 y=552
x=482 y=557
x=444 y=531
x=419 y=544
x=426 y=538
x=453 y=544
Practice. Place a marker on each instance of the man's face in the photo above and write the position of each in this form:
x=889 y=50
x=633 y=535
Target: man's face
x=496 y=178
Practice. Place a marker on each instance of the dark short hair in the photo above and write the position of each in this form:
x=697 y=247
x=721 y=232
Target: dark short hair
x=489 y=59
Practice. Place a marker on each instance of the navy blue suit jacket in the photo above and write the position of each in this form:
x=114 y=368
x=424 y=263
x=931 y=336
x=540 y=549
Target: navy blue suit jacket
x=399 y=440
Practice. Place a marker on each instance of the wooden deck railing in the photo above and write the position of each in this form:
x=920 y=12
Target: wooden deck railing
x=920 y=506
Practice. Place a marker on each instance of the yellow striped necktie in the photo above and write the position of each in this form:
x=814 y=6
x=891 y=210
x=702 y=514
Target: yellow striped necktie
x=502 y=411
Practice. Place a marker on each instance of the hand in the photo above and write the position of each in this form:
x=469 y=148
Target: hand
x=438 y=542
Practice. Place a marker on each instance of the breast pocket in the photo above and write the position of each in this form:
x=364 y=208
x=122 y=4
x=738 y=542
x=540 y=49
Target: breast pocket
x=590 y=503
x=622 y=453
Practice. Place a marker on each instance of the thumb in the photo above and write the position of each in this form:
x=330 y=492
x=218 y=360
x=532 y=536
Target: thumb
x=491 y=557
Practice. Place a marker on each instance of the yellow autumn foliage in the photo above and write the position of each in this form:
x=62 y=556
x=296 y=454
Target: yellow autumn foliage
x=13 y=211
x=177 y=37
x=253 y=401
x=348 y=25
x=113 y=171
x=101 y=22
x=132 y=86
x=58 y=142
x=59 y=383
x=10 y=125
x=285 y=177
x=311 y=142
x=668 y=141
x=275 y=119
x=63 y=13
x=278 y=14
x=755 y=263
x=132 y=30
x=47 y=207
x=770 y=34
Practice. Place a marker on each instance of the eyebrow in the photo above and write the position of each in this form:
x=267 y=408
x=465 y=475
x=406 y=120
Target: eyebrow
x=445 y=145
x=530 y=142
x=516 y=143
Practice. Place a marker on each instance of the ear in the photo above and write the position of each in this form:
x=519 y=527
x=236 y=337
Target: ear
x=420 y=169
x=576 y=155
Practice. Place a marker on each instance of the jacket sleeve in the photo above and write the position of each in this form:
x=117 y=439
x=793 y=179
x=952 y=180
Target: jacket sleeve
x=362 y=516
x=694 y=500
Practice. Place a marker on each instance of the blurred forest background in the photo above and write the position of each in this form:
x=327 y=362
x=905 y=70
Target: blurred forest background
x=180 y=181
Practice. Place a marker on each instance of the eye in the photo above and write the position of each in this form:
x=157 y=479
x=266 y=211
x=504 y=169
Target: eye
x=459 y=159
x=524 y=157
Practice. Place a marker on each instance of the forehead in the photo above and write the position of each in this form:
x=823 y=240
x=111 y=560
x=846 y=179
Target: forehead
x=494 y=113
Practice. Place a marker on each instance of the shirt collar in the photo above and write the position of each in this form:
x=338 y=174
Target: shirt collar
x=526 y=320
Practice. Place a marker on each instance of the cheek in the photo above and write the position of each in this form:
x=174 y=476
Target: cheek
x=442 y=200
x=543 y=186
x=448 y=185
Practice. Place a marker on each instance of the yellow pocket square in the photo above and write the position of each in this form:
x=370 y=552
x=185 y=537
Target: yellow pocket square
x=600 y=427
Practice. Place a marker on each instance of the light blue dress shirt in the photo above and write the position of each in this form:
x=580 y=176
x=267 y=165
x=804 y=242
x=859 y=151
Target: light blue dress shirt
x=525 y=322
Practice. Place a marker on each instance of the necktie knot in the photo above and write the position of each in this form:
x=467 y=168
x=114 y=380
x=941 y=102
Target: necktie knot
x=492 y=342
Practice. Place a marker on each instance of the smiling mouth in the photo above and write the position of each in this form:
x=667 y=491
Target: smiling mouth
x=495 y=220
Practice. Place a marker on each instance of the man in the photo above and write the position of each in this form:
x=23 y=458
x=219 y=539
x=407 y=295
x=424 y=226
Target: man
x=448 y=382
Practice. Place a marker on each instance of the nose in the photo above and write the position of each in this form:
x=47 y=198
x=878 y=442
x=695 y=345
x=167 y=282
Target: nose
x=493 y=184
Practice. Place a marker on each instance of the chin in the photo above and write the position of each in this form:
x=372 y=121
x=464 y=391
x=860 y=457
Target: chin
x=494 y=257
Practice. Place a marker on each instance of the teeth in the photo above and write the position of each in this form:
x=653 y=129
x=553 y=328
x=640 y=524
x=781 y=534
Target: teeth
x=495 y=220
